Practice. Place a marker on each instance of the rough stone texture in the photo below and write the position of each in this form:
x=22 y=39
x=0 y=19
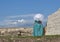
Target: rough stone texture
x=16 y=31
x=53 y=24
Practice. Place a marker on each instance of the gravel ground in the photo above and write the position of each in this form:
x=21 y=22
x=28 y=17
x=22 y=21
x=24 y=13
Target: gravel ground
x=43 y=39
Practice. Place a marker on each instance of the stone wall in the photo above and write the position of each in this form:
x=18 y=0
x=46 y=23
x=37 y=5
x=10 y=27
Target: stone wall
x=53 y=24
x=16 y=31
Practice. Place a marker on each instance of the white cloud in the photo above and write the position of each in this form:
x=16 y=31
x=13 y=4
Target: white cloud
x=12 y=23
x=21 y=21
x=22 y=15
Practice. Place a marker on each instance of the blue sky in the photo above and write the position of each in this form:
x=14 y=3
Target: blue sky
x=13 y=10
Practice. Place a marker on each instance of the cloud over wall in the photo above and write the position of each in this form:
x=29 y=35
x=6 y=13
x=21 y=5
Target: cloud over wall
x=25 y=20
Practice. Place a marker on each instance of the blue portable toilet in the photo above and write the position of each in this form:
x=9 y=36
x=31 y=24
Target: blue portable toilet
x=38 y=28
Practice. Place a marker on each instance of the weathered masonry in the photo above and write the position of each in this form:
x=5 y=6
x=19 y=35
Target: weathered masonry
x=53 y=24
